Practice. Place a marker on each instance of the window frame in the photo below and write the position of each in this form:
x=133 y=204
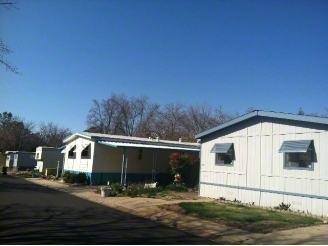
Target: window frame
x=72 y=150
x=224 y=164
x=311 y=168
x=310 y=150
x=230 y=153
x=88 y=148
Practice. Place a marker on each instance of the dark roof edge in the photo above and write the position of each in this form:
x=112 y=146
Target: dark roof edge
x=287 y=116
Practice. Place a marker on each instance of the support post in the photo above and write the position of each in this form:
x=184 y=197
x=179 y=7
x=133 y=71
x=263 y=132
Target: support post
x=126 y=167
x=57 y=169
x=123 y=165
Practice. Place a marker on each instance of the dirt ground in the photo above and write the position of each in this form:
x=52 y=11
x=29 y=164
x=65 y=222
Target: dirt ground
x=188 y=195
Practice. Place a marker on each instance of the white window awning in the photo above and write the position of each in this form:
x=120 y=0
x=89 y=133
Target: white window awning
x=295 y=146
x=222 y=148
x=139 y=145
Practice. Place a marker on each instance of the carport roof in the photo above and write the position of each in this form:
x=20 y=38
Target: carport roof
x=128 y=141
x=141 y=145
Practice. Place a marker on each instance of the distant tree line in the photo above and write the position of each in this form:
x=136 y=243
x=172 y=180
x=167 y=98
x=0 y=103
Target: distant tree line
x=122 y=115
x=18 y=135
x=137 y=116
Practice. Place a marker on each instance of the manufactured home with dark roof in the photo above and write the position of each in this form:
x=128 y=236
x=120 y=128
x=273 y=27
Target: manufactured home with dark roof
x=267 y=158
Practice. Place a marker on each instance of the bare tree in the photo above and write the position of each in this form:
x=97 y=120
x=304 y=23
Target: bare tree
x=199 y=118
x=136 y=116
x=101 y=116
x=131 y=113
x=223 y=116
x=5 y=49
x=53 y=135
x=118 y=115
x=15 y=134
x=170 y=124
x=148 y=125
x=8 y=4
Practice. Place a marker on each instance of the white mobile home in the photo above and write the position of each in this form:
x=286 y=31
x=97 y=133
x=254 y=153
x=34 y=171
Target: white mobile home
x=24 y=160
x=121 y=158
x=10 y=155
x=48 y=157
x=268 y=158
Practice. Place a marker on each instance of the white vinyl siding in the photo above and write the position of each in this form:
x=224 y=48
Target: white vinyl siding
x=259 y=166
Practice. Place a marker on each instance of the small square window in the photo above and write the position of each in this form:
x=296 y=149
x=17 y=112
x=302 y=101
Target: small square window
x=224 y=153
x=299 y=160
x=222 y=159
x=298 y=154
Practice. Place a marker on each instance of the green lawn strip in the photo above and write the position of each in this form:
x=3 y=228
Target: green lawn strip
x=247 y=218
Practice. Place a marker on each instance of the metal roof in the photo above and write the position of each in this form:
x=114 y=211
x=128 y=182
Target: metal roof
x=140 y=145
x=153 y=143
x=295 y=146
x=256 y=113
x=221 y=148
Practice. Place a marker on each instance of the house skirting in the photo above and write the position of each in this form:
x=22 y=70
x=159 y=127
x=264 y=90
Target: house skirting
x=103 y=178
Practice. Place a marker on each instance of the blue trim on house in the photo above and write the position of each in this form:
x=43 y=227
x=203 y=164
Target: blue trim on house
x=305 y=118
x=62 y=147
x=267 y=191
x=103 y=178
x=107 y=144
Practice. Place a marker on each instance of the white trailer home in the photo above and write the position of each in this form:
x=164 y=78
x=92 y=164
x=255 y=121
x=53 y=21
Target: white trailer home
x=268 y=158
x=123 y=159
x=10 y=155
x=24 y=160
x=48 y=157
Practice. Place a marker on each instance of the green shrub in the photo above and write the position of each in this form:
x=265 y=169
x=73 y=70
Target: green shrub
x=66 y=176
x=283 y=206
x=176 y=187
x=81 y=178
x=72 y=178
x=116 y=189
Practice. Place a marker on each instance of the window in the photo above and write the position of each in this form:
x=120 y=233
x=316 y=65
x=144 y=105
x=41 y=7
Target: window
x=224 y=153
x=85 y=152
x=223 y=159
x=71 y=153
x=16 y=156
x=140 y=154
x=298 y=154
x=37 y=155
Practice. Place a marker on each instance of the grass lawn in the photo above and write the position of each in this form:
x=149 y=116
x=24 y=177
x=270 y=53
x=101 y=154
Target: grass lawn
x=251 y=219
